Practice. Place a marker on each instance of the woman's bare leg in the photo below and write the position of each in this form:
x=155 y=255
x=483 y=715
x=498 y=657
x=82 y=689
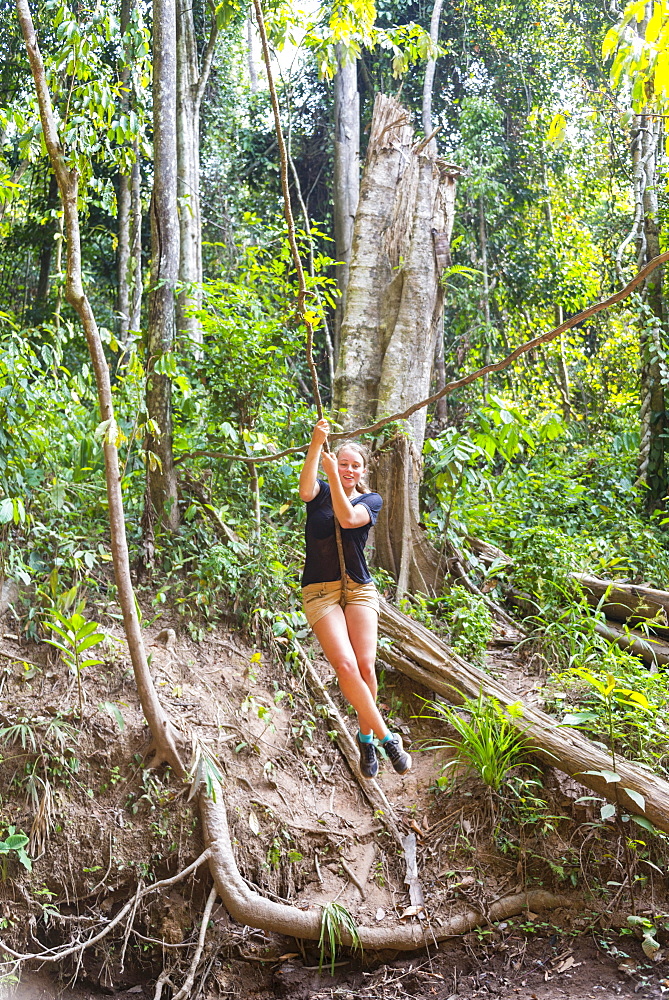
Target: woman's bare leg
x=362 y=623
x=332 y=633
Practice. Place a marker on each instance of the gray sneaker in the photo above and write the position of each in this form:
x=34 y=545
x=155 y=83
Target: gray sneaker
x=396 y=754
x=369 y=765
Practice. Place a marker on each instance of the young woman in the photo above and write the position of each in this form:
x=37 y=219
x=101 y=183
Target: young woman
x=347 y=635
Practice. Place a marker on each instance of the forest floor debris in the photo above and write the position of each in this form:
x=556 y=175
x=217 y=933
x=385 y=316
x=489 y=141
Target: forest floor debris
x=303 y=833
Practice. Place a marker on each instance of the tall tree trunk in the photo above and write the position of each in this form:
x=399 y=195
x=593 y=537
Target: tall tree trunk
x=191 y=82
x=563 y=371
x=392 y=319
x=124 y=209
x=124 y=203
x=485 y=288
x=430 y=66
x=346 y=172
x=250 y=56
x=653 y=417
x=441 y=407
x=135 y=317
x=162 y=480
x=46 y=252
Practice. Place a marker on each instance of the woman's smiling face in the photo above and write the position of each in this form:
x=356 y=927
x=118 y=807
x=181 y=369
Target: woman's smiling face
x=351 y=467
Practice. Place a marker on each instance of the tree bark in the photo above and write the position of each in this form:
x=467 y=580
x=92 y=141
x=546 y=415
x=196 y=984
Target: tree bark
x=430 y=66
x=485 y=288
x=164 y=735
x=162 y=480
x=563 y=371
x=648 y=649
x=346 y=172
x=392 y=320
x=191 y=83
x=46 y=252
x=652 y=466
x=135 y=317
x=420 y=655
x=625 y=602
x=123 y=208
x=250 y=56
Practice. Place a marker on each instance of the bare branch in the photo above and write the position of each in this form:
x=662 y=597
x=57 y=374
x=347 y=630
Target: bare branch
x=190 y=978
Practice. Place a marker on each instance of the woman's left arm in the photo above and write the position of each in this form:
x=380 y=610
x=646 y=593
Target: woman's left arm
x=347 y=515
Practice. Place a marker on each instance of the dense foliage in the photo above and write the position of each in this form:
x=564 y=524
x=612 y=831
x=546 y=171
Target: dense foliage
x=541 y=460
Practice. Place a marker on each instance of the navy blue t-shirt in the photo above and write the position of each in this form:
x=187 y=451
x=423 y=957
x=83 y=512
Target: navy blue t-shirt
x=322 y=562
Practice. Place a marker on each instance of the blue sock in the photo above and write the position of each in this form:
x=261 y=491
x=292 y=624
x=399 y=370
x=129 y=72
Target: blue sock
x=386 y=739
x=365 y=737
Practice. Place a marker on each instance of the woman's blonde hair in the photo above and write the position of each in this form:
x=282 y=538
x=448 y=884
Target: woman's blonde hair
x=362 y=486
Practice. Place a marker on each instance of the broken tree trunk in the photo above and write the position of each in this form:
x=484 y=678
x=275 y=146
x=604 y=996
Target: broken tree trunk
x=391 y=321
x=420 y=655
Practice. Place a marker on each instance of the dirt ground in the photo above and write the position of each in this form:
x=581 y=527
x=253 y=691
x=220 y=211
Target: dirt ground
x=302 y=832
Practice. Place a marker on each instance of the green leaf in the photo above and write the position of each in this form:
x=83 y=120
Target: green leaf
x=16 y=841
x=6 y=510
x=557 y=129
x=579 y=718
x=609 y=43
x=607 y=811
x=90 y=663
x=649 y=945
x=58 y=494
x=91 y=640
x=636 y=797
x=25 y=860
x=111 y=708
x=645 y=823
x=655 y=23
x=608 y=776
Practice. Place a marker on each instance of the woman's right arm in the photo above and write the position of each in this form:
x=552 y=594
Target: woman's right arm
x=309 y=474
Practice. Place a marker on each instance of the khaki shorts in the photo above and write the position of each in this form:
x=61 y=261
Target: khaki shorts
x=318 y=599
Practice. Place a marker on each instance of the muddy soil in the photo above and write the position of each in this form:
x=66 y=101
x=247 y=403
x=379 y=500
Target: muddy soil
x=101 y=822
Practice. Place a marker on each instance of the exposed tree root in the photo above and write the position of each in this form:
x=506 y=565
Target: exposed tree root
x=58 y=954
x=190 y=978
x=249 y=908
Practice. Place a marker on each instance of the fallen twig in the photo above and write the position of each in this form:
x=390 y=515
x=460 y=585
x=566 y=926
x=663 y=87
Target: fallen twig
x=353 y=877
x=20 y=659
x=190 y=978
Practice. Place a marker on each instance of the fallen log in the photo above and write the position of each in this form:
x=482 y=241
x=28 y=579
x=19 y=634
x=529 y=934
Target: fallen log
x=649 y=649
x=415 y=651
x=625 y=602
